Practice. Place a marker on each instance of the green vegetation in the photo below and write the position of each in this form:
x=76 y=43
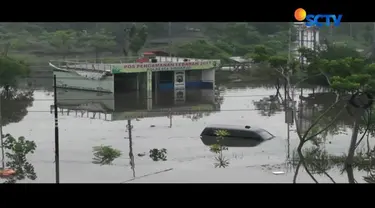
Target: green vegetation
x=36 y=43
x=346 y=72
x=16 y=152
x=196 y=40
x=218 y=148
x=10 y=70
x=158 y=155
x=105 y=155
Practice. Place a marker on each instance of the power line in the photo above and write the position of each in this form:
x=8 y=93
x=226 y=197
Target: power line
x=79 y=78
x=152 y=111
x=99 y=99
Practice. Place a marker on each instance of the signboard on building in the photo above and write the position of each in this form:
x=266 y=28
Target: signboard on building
x=143 y=67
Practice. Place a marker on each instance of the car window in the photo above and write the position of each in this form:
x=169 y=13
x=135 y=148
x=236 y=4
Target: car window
x=253 y=135
x=265 y=134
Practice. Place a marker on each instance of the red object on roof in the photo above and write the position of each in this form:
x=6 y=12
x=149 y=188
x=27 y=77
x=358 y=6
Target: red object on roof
x=142 y=60
x=157 y=53
x=148 y=53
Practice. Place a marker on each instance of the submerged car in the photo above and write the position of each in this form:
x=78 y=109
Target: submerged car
x=238 y=136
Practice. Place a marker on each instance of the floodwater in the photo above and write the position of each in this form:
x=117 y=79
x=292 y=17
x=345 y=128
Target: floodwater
x=188 y=159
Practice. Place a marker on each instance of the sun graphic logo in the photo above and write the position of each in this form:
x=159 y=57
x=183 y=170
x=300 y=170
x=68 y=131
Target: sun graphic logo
x=300 y=14
x=313 y=20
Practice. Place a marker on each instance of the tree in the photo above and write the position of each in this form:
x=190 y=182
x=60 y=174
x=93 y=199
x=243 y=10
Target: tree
x=157 y=155
x=135 y=39
x=349 y=75
x=105 y=155
x=62 y=40
x=16 y=152
x=344 y=75
x=201 y=49
x=240 y=35
x=218 y=148
x=11 y=69
x=367 y=34
x=99 y=41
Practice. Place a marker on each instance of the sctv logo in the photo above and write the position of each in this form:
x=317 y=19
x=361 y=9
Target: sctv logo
x=313 y=20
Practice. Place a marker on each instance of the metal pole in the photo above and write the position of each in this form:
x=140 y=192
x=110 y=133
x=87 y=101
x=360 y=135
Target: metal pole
x=170 y=118
x=170 y=40
x=1 y=135
x=289 y=42
x=131 y=155
x=57 y=160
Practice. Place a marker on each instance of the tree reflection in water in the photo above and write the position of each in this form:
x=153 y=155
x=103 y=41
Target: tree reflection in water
x=317 y=161
x=14 y=104
x=315 y=120
x=269 y=106
x=195 y=116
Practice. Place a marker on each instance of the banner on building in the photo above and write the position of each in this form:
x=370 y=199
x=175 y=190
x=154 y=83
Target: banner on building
x=143 y=67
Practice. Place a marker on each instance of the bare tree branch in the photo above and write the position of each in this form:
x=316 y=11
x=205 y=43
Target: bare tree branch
x=299 y=82
x=296 y=172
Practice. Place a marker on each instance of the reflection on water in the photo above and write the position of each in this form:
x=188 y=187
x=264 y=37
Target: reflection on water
x=89 y=119
x=13 y=109
x=135 y=105
x=315 y=157
x=114 y=107
x=317 y=161
x=269 y=106
x=14 y=104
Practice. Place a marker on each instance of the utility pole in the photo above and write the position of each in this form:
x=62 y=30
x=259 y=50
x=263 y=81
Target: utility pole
x=290 y=42
x=57 y=160
x=170 y=40
x=1 y=135
x=170 y=118
x=289 y=71
x=131 y=155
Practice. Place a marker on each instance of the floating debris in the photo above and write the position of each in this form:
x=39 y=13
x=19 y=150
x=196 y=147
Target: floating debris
x=141 y=154
x=152 y=126
x=7 y=172
x=278 y=172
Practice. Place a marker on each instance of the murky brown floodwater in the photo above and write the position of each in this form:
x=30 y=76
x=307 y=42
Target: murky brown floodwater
x=188 y=159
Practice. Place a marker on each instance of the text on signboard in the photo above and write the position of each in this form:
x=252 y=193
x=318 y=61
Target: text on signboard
x=157 y=65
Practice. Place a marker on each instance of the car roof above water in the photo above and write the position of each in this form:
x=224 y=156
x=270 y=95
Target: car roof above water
x=234 y=127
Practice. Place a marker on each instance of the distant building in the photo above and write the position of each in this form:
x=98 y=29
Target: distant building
x=307 y=37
